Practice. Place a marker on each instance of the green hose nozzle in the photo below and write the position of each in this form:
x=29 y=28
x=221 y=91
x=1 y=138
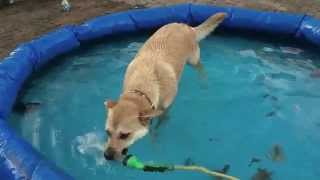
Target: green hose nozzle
x=133 y=162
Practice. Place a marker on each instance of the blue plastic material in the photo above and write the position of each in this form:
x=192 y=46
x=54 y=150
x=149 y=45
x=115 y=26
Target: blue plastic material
x=270 y=22
x=310 y=30
x=251 y=20
x=18 y=160
x=45 y=169
x=200 y=13
x=13 y=71
x=53 y=44
x=105 y=25
x=155 y=17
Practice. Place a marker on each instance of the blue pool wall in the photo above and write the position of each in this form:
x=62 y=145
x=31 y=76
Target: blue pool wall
x=18 y=159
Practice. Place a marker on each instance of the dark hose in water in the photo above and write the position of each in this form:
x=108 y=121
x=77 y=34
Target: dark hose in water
x=133 y=162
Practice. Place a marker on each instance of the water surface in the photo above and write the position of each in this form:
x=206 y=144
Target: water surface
x=258 y=109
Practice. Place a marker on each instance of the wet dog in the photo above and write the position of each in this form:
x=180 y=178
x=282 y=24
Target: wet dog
x=151 y=82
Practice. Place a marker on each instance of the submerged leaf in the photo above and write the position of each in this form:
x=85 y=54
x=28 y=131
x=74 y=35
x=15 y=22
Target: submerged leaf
x=276 y=153
x=262 y=174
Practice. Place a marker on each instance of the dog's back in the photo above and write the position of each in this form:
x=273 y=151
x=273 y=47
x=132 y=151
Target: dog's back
x=171 y=44
x=158 y=65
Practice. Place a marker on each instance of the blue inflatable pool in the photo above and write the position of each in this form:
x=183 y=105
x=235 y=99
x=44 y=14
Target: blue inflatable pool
x=18 y=160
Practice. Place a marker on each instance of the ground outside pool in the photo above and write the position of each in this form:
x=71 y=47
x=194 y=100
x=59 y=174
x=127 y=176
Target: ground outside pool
x=255 y=115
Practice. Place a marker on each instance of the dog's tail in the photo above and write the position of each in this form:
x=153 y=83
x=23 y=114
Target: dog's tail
x=209 y=25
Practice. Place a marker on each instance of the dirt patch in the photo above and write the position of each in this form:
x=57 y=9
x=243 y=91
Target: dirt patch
x=27 y=19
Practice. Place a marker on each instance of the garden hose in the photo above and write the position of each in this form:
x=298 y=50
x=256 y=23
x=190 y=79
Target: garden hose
x=133 y=162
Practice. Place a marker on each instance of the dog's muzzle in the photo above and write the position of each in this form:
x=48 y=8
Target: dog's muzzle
x=111 y=154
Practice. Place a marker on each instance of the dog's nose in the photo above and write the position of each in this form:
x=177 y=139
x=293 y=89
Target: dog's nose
x=124 y=151
x=109 y=154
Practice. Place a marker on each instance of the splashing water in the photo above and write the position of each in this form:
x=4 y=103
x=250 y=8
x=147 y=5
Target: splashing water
x=91 y=144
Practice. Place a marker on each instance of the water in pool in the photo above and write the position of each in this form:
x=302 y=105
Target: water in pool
x=255 y=115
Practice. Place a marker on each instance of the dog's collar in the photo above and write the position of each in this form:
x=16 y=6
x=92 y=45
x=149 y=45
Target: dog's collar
x=140 y=93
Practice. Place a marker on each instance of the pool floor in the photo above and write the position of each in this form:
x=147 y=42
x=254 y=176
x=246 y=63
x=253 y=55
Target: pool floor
x=255 y=115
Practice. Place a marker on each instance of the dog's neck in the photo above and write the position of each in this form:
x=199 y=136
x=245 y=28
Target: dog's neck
x=141 y=100
x=143 y=95
x=150 y=90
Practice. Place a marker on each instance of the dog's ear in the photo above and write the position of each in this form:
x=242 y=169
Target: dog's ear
x=110 y=104
x=145 y=117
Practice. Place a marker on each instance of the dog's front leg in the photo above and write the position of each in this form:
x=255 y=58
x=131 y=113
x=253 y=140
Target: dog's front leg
x=154 y=128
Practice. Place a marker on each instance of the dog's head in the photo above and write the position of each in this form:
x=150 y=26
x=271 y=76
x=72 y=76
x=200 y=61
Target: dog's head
x=124 y=125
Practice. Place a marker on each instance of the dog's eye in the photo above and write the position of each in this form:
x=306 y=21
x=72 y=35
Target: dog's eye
x=108 y=133
x=124 y=135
